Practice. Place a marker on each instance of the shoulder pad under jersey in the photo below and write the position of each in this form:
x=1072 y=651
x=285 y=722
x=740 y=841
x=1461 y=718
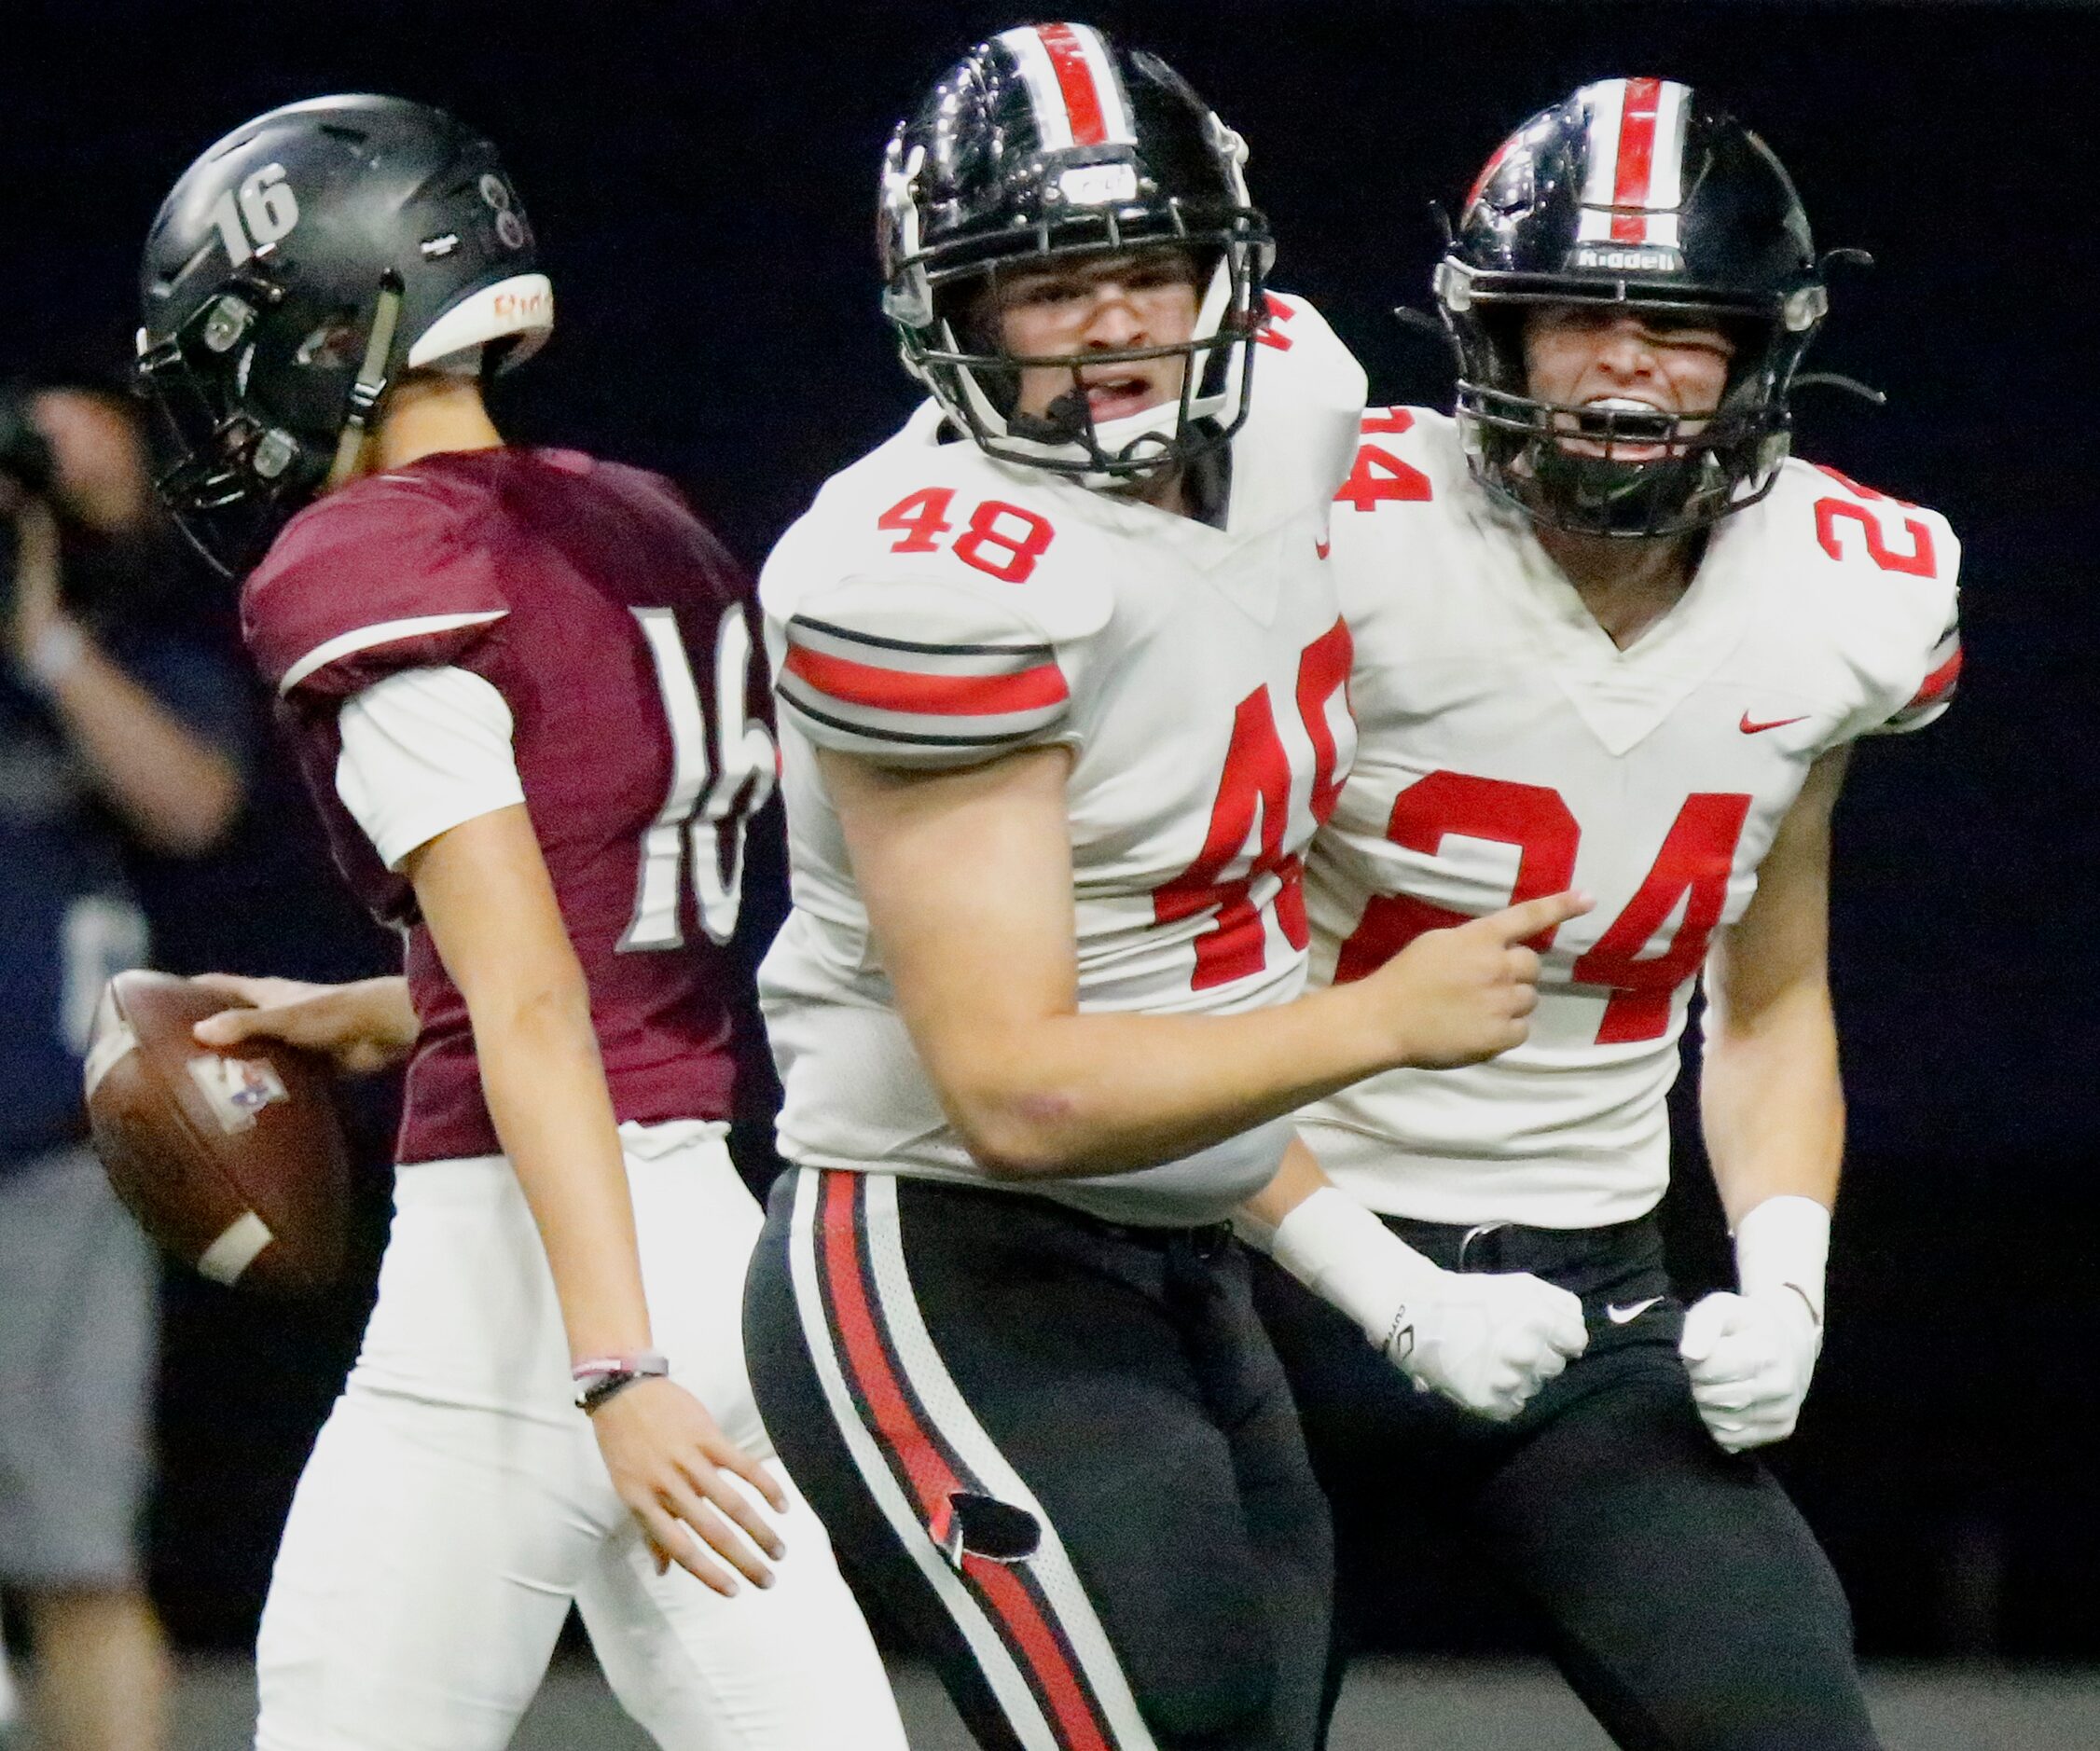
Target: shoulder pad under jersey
x=928 y=610
x=384 y=575
x=1405 y=457
x=1887 y=572
x=1300 y=435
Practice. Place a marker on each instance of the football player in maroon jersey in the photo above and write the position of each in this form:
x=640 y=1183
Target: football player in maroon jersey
x=521 y=684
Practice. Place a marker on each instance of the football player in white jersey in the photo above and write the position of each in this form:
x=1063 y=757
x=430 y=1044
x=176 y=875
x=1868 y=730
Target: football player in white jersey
x=1061 y=676
x=1606 y=633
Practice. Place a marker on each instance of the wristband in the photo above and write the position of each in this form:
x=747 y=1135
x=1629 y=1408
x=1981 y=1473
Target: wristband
x=1784 y=1243
x=602 y=1377
x=54 y=653
x=1349 y=1258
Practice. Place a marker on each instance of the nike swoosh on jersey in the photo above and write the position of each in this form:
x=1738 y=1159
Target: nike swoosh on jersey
x=1626 y=1315
x=1748 y=728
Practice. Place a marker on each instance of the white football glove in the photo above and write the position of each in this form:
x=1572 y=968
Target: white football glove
x=1486 y=1342
x=1751 y=1355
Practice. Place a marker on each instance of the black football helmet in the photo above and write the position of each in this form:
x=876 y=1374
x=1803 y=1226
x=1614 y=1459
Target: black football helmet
x=1050 y=141
x=295 y=271
x=1636 y=193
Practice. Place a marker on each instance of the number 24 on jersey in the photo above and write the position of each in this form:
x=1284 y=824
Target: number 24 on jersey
x=1692 y=867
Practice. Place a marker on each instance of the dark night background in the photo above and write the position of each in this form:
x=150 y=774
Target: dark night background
x=701 y=179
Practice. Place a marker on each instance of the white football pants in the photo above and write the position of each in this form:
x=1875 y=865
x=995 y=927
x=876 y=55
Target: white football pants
x=455 y=1503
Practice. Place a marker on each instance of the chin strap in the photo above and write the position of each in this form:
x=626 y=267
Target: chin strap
x=1850 y=385
x=371 y=381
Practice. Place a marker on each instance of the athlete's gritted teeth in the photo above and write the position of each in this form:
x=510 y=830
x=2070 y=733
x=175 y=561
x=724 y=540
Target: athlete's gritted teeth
x=1584 y=442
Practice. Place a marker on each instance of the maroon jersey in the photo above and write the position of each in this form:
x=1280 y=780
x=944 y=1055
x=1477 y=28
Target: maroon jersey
x=615 y=627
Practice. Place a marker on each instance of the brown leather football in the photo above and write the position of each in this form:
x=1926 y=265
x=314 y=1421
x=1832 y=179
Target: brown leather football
x=234 y=1161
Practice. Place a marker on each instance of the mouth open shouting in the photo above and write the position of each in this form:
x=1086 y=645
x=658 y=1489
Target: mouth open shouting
x=1623 y=429
x=1624 y=385
x=1116 y=392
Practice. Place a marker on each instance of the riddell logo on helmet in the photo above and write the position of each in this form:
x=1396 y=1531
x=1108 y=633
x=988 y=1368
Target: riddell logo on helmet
x=521 y=306
x=1623 y=259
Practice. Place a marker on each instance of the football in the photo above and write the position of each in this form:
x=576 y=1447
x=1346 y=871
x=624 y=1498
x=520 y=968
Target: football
x=235 y=1161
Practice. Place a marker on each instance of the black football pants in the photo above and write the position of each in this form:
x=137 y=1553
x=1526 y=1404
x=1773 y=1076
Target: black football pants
x=1686 y=1599
x=1056 y=1456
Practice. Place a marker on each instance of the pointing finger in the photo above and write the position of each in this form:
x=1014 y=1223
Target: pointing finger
x=1537 y=920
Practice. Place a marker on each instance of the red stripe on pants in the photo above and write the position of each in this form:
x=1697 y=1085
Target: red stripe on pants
x=932 y=1480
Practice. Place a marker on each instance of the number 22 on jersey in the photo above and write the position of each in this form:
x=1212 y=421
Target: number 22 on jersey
x=1692 y=867
x=718 y=781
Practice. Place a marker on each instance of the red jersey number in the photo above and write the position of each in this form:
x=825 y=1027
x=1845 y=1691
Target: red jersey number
x=1692 y=867
x=719 y=777
x=1379 y=476
x=1256 y=782
x=1001 y=540
x=1921 y=561
x=1269 y=331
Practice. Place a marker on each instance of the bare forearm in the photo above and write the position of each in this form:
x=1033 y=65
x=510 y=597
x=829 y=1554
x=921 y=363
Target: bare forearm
x=1095 y=1094
x=1771 y=1102
x=545 y=1091
x=388 y=1024
x=967 y=879
x=176 y=790
x=1296 y=1180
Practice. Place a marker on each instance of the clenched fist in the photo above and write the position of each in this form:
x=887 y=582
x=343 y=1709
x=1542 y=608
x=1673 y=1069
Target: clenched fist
x=1486 y=1342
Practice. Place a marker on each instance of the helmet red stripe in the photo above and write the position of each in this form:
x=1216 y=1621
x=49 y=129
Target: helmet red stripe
x=1075 y=83
x=1487 y=170
x=1636 y=156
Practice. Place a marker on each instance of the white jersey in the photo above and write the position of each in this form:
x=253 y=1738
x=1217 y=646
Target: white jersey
x=935 y=608
x=1509 y=750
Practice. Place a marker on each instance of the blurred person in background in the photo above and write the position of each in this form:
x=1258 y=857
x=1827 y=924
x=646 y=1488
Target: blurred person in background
x=113 y=739
x=11 y=1701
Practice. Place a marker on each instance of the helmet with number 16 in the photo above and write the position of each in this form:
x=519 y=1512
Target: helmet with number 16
x=296 y=269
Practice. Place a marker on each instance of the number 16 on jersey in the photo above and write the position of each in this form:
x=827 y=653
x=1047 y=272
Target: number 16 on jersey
x=719 y=779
